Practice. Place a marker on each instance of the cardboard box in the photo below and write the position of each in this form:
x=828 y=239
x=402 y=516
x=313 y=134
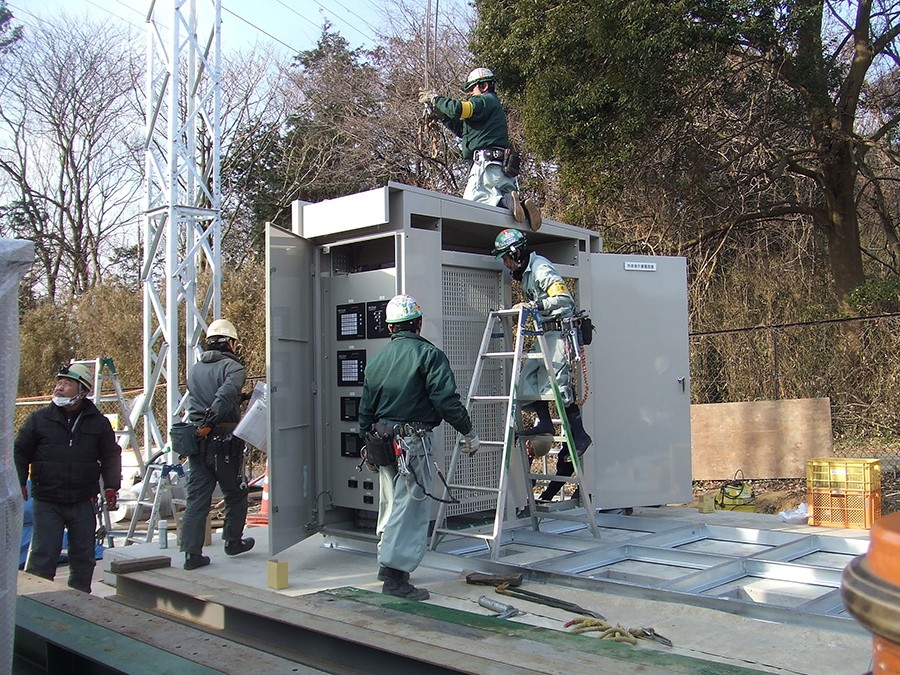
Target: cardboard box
x=707 y=502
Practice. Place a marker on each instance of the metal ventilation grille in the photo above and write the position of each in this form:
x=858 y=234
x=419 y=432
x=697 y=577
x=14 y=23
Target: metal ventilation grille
x=469 y=294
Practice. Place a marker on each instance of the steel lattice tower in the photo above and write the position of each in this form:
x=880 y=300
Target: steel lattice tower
x=181 y=274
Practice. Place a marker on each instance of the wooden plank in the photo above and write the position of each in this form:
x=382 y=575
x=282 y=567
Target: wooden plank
x=764 y=439
x=128 y=565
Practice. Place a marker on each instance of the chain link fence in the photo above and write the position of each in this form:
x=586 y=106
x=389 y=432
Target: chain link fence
x=854 y=362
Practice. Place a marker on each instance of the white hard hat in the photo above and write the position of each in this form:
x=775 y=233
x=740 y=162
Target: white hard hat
x=402 y=308
x=78 y=372
x=221 y=328
x=478 y=76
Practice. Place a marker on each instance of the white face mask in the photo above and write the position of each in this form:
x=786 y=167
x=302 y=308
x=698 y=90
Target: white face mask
x=66 y=401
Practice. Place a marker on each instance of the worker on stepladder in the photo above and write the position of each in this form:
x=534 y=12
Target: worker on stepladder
x=408 y=390
x=214 y=398
x=481 y=123
x=68 y=445
x=547 y=294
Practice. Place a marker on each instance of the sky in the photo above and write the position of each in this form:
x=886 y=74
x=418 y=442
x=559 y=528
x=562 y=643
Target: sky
x=291 y=25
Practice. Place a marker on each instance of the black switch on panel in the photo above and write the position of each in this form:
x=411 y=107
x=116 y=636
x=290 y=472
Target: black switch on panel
x=353 y=483
x=368 y=485
x=368 y=499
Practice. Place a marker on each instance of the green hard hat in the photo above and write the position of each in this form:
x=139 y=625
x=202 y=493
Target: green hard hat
x=508 y=241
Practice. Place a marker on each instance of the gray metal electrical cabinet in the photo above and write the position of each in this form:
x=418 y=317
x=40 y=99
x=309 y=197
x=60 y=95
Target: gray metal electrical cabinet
x=329 y=282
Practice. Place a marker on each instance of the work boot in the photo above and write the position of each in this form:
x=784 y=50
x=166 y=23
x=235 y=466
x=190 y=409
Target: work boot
x=511 y=201
x=533 y=214
x=384 y=574
x=564 y=467
x=579 y=436
x=239 y=546
x=397 y=584
x=194 y=560
x=544 y=421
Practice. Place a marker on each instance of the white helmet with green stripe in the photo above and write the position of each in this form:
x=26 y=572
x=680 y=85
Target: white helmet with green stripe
x=402 y=308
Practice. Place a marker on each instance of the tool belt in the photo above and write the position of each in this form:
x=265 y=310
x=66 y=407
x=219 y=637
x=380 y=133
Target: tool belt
x=381 y=440
x=223 y=431
x=490 y=154
x=551 y=325
x=222 y=440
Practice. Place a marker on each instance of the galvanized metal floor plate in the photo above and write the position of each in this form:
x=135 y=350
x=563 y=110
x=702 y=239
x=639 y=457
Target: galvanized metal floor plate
x=786 y=576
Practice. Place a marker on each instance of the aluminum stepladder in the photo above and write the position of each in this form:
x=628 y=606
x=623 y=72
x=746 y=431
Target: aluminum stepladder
x=163 y=497
x=510 y=443
x=105 y=374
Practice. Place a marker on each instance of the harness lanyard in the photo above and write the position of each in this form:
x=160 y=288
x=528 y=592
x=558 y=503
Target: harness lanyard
x=403 y=450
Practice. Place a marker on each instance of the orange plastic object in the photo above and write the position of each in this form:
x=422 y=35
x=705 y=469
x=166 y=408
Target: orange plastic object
x=884 y=562
x=884 y=549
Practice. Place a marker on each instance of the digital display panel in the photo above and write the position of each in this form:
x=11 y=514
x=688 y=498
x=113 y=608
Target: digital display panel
x=351 y=365
x=351 y=321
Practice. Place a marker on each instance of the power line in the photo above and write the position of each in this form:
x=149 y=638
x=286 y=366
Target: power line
x=371 y=27
x=342 y=20
x=253 y=25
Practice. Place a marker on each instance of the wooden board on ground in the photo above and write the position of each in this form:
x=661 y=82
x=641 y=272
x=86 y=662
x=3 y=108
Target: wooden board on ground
x=764 y=439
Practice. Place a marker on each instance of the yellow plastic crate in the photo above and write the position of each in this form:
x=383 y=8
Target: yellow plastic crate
x=855 y=509
x=839 y=474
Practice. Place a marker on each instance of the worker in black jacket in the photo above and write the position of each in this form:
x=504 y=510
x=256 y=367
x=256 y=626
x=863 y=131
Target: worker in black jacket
x=214 y=400
x=68 y=446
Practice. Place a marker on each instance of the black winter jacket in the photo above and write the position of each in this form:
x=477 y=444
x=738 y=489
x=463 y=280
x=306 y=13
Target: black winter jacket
x=66 y=465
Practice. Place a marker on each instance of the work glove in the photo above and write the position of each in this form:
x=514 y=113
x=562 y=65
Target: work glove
x=428 y=97
x=203 y=432
x=246 y=396
x=470 y=443
x=25 y=492
x=111 y=503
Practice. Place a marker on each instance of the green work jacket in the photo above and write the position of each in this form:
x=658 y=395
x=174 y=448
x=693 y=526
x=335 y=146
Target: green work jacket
x=485 y=127
x=410 y=380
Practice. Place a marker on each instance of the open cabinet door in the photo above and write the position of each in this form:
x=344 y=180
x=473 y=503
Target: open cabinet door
x=641 y=385
x=291 y=377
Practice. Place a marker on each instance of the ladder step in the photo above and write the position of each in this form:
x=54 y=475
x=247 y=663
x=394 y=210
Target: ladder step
x=547 y=476
x=498 y=355
x=465 y=533
x=474 y=488
x=487 y=399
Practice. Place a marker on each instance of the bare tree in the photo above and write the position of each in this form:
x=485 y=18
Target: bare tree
x=69 y=148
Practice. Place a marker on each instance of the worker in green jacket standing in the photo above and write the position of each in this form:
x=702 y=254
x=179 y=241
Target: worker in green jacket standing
x=480 y=122
x=408 y=390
